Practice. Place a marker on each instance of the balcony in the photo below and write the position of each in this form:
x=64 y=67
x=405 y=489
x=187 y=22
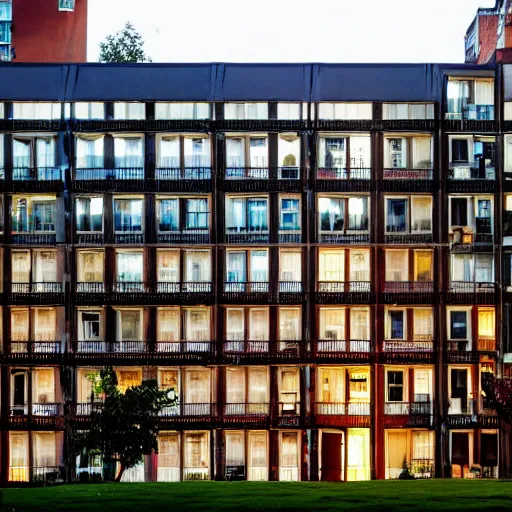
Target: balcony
x=334 y=414
x=457 y=123
x=459 y=352
x=44 y=416
x=37 y=179
x=186 y=179
x=291 y=292
x=404 y=351
x=342 y=351
x=182 y=352
x=246 y=293
x=129 y=237
x=265 y=125
x=26 y=235
x=187 y=293
x=399 y=237
x=36 y=294
x=408 y=180
x=140 y=125
x=201 y=236
x=263 y=351
x=462 y=413
x=262 y=179
x=91 y=238
x=349 y=292
x=246 y=236
x=404 y=414
x=195 y=415
x=288 y=415
x=465 y=292
x=246 y=415
x=21 y=351
x=408 y=292
x=350 y=237
x=343 y=180
x=462 y=239
x=390 y=125
x=123 y=179
x=126 y=292
x=471 y=179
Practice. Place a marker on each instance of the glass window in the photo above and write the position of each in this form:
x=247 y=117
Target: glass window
x=90 y=266
x=396 y=324
x=332 y=266
x=66 y=5
x=189 y=111
x=345 y=111
x=332 y=213
x=458 y=325
x=128 y=152
x=290 y=266
x=128 y=215
x=168 y=215
x=197 y=152
x=288 y=111
x=289 y=324
x=242 y=111
x=197 y=266
x=89 y=110
x=168 y=265
x=36 y=111
x=290 y=214
x=89 y=214
x=423 y=268
x=129 y=266
x=421 y=215
x=396 y=218
x=131 y=110
x=397 y=266
x=196 y=213
x=89 y=152
x=395 y=386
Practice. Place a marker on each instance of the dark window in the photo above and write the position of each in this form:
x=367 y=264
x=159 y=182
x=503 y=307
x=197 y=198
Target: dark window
x=397 y=324
x=397 y=215
x=459 y=211
x=395 y=386
x=459 y=150
x=458 y=325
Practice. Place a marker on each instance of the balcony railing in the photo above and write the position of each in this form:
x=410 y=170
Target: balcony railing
x=36 y=288
x=343 y=409
x=423 y=346
x=89 y=287
x=129 y=237
x=22 y=234
x=264 y=351
x=185 y=179
x=471 y=179
x=349 y=237
x=408 y=180
x=397 y=234
x=203 y=287
x=329 y=350
x=34 y=347
x=235 y=409
x=466 y=292
x=190 y=410
x=247 y=179
x=89 y=238
x=486 y=344
x=348 y=291
x=199 y=236
x=343 y=180
x=408 y=292
x=406 y=409
x=246 y=235
x=122 y=179
x=185 y=347
x=47 y=409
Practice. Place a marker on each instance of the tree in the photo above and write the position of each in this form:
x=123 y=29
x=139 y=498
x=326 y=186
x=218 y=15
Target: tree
x=125 y=428
x=126 y=45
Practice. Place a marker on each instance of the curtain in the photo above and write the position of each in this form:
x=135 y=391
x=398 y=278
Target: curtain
x=332 y=266
x=360 y=152
x=332 y=214
x=89 y=110
x=18 y=444
x=397 y=449
x=129 y=267
x=257 y=214
x=196 y=450
x=43 y=386
x=84 y=387
x=330 y=385
x=396 y=221
x=129 y=110
x=45 y=266
x=128 y=152
x=423 y=324
x=89 y=152
x=235 y=154
x=422 y=384
x=21 y=153
x=168 y=451
x=289 y=449
x=130 y=325
x=258 y=450
x=45 y=320
x=44 y=449
x=169 y=152
x=168 y=323
x=128 y=215
x=20 y=266
x=258 y=324
x=235 y=385
x=290 y=266
x=289 y=324
x=484 y=272
x=236 y=265
x=396 y=153
x=197 y=324
x=197 y=213
x=89 y=214
x=359 y=265
x=90 y=269
x=484 y=92
x=235 y=214
x=358 y=461
x=358 y=213
x=259 y=267
x=397 y=266
x=235 y=449
x=421 y=214
x=462 y=267
x=333 y=153
x=197 y=266
x=257 y=385
x=422 y=152
x=45 y=152
x=128 y=379
x=422 y=445
x=234 y=324
x=197 y=152
x=197 y=386
x=359 y=324
x=258 y=152
x=486 y=323
x=168 y=215
x=423 y=266
x=332 y=323
x=290 y=214
x=19 y=325
x=168 y=263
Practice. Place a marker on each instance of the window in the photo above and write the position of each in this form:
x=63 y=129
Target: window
x=168 y=151
x=413 y=153
x=90 y=266
x=290 y=266
x=408 y=111
x=44 y=324
x=45 y=267
x=343 y=214
x=90 y=326
x=459 y=325
x=89 y=151
x=196 y=454
x=289 y=452
x=186 y=111
x=43 y=216
x=288 y=155
x=197 y=152
x=397 y=149
x=289 y=324
x=36 y=111
x=89 y=214
x=395 y=386
x=34 y=158
x=396 y=324
x=404 y=215
x=129 y=110
x=128 y=153
x=246 y=214
x=197 y=324
x=168 y=266
x=129 y=266
x=332 y=265
x=397 y=266
x=289 y=111
x=460 y=151
x=168 y=215
x=168 y=326
x=197 y=266
x=459 y=211
x=289 y=213
x=472 y=268
x=247 y=266
x=469 y=98
x=129 y=325
x=423 y=266
x=247 y=152
x=66 y=5
x=242 y=111
x=128 y=215
x=421 y=214
x=423 y=324
x=332 y=326
x=331 y=111
x=89 y=110
x=235 y=449
x=359 y=261
x=396 y=215
x=196 y=211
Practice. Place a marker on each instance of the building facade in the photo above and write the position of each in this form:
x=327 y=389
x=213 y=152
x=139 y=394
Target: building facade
x=315 y=259
x=43 y=31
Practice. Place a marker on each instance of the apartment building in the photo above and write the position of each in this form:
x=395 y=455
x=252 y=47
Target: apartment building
x=314 y=259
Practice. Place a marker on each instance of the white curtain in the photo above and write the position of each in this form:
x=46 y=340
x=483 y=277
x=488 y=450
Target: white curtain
x=290 y=266
x=359 y=324
x=19 y=324
x=359 y=265
x=289 y=324
x=422 y=152
x=258 y=463
x=397 y=265
x=169 y=152
x=421 y=214
x=258 y=324
x=90 y=268
x=45 y=152
x=20 y=266
x=423 y=324
x=45 y=266
x=235 y=449
x=360 y=152
x=257 y=385
x=197 y=266
x=259 y=266
x=235 y=154
x=197 y=386
x=130 y=325
x=235 y=324
x=332 y=266
x=45 y=320
x=168 y=324
x=197 y=324
x=197 y=152
x=235 y=387
x=332 y=323
x=129 y=267
x=168 y=263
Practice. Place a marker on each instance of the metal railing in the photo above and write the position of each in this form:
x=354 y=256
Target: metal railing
x=231 y=409
x=183 y=173
x=185 y=347
x=337 y=173
x=47 y=409
x=351 y=346
x=36 y=174
x=103 y=174
x=405 y=408
x=88 y=287
x=408 y=287
x=408 y=346
x=408 y=174
x=247 y=346
x=34 y=347
x=188 y=287
x=343 y=409
x=344 y=287
x=472 y=287
x=50 y=287
x=246 y=287
x=290 y=287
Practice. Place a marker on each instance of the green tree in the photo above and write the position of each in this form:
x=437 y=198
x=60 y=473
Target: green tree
x=498 y=393
x=125 y=428
x=126 y=45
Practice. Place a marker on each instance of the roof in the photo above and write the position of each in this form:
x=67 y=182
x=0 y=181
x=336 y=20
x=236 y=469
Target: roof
x=226 y=82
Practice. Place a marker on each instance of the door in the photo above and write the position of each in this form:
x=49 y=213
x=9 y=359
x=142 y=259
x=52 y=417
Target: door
x=18 y=399
x=332 y=459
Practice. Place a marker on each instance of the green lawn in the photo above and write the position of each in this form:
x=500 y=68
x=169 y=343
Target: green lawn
x=380 y=496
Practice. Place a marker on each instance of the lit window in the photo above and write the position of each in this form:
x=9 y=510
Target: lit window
x=67 y=5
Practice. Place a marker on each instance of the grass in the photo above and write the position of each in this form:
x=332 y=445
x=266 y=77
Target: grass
x=380 y=496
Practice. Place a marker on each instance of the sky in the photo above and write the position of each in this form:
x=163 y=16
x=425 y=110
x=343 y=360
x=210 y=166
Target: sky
x=290 y=30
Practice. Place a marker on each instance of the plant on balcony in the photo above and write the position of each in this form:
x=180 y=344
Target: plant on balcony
x=498 y=394
x=126 y=427
x=289 y=161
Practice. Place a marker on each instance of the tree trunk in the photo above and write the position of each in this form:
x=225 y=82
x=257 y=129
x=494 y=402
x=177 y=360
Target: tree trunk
x=120 y=474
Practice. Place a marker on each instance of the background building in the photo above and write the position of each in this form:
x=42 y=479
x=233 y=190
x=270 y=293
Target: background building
x=43 y=30
x=315 y=258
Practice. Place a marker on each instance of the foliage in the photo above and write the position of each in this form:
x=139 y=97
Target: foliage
x=126 y=45
x=126 y=427
x=499 y=395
